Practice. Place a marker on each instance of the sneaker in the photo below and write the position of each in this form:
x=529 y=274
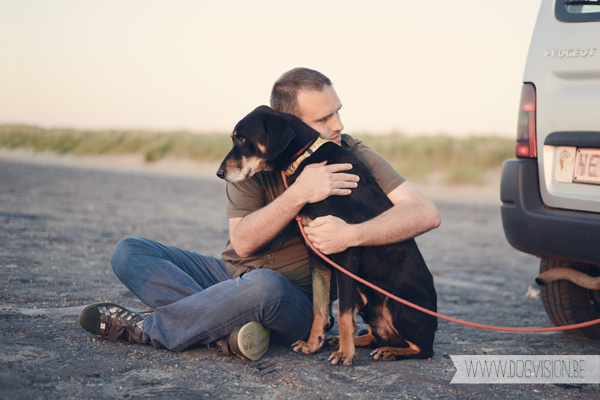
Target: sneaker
x=113 y=322
x=249 y=341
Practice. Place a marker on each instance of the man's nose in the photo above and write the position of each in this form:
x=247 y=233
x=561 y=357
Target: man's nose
x=337 y=125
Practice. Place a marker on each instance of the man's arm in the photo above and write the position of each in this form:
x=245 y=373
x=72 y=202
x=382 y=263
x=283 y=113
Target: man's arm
x=411 y=215
x=316 y=182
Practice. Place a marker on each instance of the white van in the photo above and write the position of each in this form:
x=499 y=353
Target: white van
x=551 y=193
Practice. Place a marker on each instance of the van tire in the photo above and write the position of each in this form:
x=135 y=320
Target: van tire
x=567 y=303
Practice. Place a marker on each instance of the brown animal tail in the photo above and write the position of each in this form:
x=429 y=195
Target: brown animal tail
x=569 y=274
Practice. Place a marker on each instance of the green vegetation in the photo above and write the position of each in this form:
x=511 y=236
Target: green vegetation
x=460 y=160
x=153 y=145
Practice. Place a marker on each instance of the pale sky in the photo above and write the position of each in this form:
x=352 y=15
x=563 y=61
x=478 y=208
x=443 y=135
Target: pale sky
x=419 y=67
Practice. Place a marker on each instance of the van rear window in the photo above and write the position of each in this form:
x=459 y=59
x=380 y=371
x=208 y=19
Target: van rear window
x=578 y=10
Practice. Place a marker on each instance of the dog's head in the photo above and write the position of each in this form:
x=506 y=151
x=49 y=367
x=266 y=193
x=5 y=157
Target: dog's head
x=259 y=139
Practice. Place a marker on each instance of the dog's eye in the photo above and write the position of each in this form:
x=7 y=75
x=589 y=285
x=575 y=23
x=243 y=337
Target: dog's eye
x=240 y=139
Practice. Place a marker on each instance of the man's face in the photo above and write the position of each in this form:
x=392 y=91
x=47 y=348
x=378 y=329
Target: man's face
x=320 y=111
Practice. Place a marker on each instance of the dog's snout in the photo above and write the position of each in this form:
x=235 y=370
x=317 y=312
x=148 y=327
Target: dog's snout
x=221 y=173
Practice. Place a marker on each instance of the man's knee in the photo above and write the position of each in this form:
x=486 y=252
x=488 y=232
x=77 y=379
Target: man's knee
x=124 y=251
x=266 y=276
x=269 y=283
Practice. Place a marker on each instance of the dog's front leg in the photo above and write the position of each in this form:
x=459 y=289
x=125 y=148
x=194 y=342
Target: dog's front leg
x=321 y=282
x=346 y=320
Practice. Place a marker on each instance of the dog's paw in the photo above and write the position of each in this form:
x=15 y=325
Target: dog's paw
x=305 y=347
x=388 y=353
x=382 y=354
x=332 y=342
x=340 y=358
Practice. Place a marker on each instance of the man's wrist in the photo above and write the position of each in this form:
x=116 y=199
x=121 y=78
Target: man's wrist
x=294 y=198
x=355 y=235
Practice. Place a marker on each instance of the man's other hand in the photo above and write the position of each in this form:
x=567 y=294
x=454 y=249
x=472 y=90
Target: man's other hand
x=329 y=234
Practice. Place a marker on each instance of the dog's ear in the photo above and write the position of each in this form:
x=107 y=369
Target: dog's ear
x=279 y=135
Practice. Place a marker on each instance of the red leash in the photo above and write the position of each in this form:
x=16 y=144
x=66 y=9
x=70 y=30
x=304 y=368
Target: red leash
x=433 y=313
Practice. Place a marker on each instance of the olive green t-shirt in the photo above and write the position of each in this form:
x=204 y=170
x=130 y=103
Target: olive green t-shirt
x=287 y=253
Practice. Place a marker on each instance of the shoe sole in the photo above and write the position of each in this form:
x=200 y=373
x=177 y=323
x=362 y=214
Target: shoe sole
x=252 y=341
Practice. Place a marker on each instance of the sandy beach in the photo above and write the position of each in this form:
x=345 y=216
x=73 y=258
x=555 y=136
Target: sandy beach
x=59 y=226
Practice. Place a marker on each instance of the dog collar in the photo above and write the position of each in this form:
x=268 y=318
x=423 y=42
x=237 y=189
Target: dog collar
x=307 y=153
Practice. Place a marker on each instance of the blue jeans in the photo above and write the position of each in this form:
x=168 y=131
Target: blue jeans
x=196 y=301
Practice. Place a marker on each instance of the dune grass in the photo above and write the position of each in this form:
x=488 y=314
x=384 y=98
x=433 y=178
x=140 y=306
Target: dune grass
x=153 y=145
x=459 y=160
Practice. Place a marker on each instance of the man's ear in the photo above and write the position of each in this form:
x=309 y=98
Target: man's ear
x=279 y=135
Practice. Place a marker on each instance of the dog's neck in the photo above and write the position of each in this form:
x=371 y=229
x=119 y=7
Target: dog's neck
x=302 y=140
x=304 y=153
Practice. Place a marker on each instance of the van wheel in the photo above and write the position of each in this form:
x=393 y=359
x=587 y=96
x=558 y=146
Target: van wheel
x=567 y=303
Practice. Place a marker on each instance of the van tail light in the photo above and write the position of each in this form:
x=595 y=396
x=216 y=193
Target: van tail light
x=526 y=132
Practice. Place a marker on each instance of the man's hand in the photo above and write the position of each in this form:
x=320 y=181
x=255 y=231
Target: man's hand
x=315 y=183
x=411 y=215
x=329 y=234
x=319 y=181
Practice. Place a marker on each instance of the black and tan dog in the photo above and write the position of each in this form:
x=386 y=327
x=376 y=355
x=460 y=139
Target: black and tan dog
x=267 y=140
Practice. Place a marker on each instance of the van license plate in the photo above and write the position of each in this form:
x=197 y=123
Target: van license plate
x=587 y=166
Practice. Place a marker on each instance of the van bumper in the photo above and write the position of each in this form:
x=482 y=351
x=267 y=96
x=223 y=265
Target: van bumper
x=532 y=227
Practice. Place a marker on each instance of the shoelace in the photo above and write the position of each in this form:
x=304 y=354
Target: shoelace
x=119 y=325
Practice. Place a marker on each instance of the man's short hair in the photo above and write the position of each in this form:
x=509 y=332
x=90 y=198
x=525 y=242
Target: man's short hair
x=284 y=96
